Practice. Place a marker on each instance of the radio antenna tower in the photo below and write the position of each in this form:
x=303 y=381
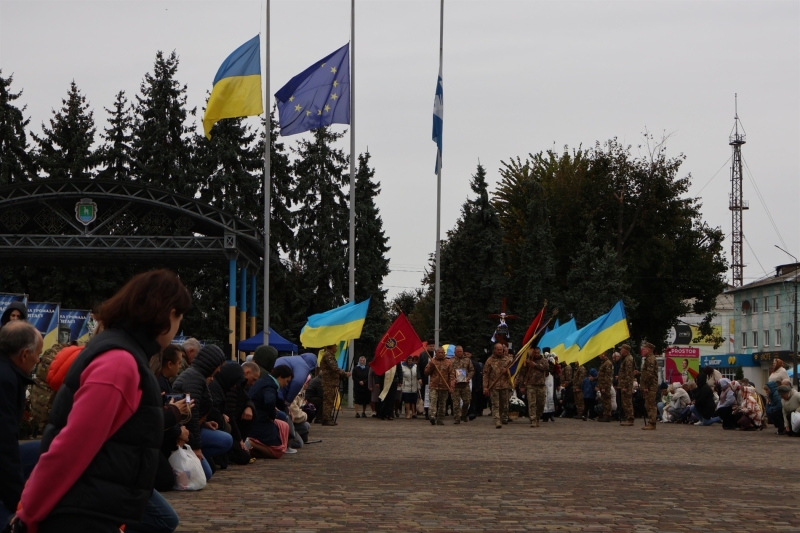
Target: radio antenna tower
x=736 y=204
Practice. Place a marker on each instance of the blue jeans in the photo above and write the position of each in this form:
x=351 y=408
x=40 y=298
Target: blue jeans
x=159 y=517
x=280 y=415
x=660 y=407
x=29 y=456
x=214 y=442
x=696 y=415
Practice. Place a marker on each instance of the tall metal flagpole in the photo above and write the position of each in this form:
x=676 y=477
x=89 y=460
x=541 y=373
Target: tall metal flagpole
x=267 y=186
x=352 y=345
x=439 y=195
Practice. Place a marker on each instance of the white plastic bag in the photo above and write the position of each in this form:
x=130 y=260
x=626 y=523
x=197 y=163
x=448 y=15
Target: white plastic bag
x=795 y=422
x=188 y=470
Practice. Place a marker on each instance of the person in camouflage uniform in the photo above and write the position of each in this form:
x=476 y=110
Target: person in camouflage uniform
x=497 y=383
x=604 y=379
x=648 y=382
x=463 y=369
x=441 y=382
x=331 y=374
x=578 y=374
x=566 y=375
x=532 y=384
x=625 y=381
x=42 y=395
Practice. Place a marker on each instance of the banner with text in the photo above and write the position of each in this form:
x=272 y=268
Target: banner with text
x=682 y=364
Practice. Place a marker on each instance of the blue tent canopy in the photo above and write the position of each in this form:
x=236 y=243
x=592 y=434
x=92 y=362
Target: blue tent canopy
x=275 y=340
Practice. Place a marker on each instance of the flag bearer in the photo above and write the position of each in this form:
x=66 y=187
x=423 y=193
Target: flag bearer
x=532 y=384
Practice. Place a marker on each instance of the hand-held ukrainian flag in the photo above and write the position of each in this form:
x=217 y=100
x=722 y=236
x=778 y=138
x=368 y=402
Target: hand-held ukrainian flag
x=330 y=327
x=606 y=332
x=438 y=120
x=237 y=86
x=317 y=97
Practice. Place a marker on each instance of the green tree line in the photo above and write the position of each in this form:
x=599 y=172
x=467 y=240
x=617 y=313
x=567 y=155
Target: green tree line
x=151 y=139
x=582 y=229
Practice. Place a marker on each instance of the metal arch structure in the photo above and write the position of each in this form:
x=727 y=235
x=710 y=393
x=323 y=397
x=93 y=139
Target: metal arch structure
x=134 y=222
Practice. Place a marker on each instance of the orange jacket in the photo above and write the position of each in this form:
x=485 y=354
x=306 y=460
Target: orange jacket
x=60 y=366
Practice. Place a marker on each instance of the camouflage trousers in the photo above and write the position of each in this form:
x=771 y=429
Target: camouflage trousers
x=627 y=405
x=438 y=403
x=329 y=391
x=500 y=405
x=605 y=397
x=578 y=400
x=650 y=406
x=461 y=394
x=535 y=395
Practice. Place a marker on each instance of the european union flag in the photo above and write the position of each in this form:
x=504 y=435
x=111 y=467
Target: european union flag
x=438 y=120
x=317 y=97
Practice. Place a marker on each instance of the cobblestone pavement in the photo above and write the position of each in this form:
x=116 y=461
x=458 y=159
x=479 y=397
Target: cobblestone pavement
x=406 y=475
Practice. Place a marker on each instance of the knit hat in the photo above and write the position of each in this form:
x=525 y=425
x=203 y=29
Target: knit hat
x=208 y=359
x=265 y=357
x=783 y=389
x=593 y=372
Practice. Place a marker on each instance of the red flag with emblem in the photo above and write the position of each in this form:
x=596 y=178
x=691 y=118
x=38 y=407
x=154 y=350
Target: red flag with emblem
x=399 y=341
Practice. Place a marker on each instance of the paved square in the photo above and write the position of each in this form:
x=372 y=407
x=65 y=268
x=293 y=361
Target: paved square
x=406 y=475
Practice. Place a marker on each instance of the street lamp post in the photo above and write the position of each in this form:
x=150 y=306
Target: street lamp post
x=794 y=328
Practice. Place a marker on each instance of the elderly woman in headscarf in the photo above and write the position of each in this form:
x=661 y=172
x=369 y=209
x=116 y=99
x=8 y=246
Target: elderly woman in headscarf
x=750 y=407
x=725 y=404
x=679 y=402
x=777 y=372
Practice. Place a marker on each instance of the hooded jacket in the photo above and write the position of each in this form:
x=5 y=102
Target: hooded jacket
x=774 y=405
x=265 y=357
x=19 y=306
x=227 y=390
x=302 y=366
x=193 y=382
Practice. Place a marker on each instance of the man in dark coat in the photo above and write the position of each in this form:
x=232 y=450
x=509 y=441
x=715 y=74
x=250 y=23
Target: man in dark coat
x=20 y=346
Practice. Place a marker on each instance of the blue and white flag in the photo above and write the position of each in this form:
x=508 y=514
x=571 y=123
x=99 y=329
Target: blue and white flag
x=317 y=97
x=438 y=120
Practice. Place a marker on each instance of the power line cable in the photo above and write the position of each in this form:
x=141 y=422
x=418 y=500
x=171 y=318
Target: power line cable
x=714 y=176
x=763 y=203
x=764 y=270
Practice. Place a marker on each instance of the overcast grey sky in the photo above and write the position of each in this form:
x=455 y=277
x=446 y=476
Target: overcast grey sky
x=519 y=77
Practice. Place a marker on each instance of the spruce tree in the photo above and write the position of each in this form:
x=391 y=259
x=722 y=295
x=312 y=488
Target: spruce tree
x=534 y=276
x=115 y=154
x=473 y=271
x=596 y=281
x=372 y=265
x=230 y=168
x=285 y=277
x=321 y=222
x=16 y=163
x=162 y=148
x=65 y=148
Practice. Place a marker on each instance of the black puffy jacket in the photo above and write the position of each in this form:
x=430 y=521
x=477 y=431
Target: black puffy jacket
x=193 y=381
x=229 y=395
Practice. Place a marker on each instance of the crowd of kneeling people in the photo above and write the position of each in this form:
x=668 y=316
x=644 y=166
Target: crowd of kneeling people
x=119 y=415
x=705 y=400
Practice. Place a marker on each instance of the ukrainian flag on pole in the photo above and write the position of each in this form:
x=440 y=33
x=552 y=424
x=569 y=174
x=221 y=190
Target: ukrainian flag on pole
x=330 y=327
x=237 y=86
